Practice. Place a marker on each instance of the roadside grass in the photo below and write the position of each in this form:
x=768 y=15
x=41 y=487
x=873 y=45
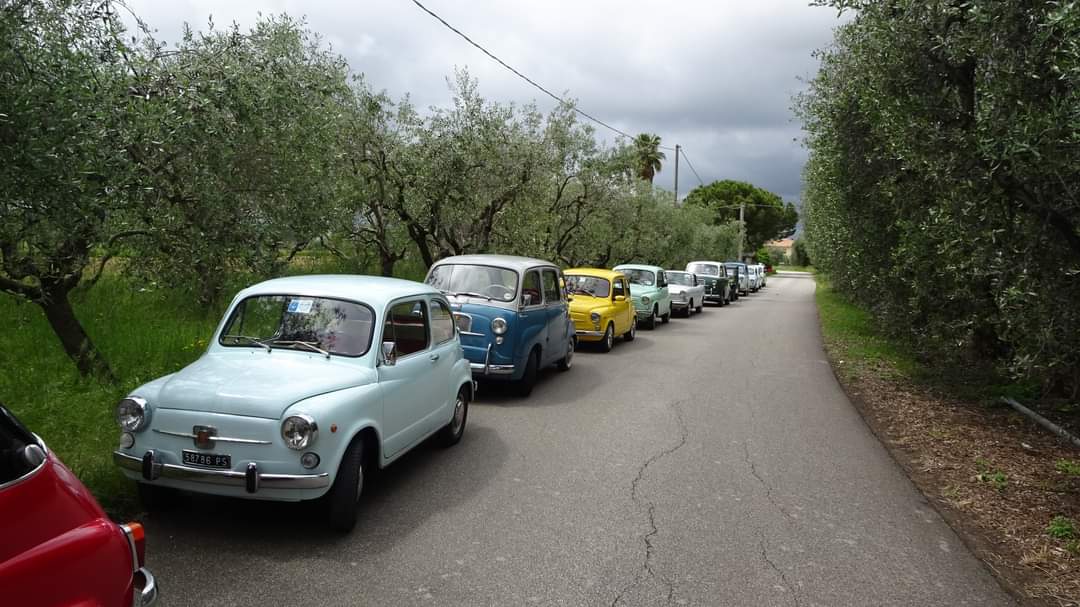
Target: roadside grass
x=849 y=333
x=144 y=332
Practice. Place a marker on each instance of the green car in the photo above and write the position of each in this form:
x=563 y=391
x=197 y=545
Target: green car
x=649 y=292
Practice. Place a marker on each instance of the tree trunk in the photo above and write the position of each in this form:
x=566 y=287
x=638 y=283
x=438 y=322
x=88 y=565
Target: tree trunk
x=387 y=264
x=72 y=336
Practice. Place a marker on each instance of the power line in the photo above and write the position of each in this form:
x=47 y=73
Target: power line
x=687 y=158
x=526 y=78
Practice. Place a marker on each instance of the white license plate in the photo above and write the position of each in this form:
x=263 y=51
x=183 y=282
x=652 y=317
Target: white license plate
x=207 y=460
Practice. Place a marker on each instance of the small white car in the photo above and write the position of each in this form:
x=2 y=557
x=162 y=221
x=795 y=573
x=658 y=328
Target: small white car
x=687 y=292
x=308 y=382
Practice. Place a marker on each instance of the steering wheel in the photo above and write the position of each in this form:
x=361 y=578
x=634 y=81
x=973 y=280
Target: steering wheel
x=497 y=291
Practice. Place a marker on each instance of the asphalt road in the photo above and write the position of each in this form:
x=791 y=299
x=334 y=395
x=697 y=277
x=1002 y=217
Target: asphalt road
x=713 y=461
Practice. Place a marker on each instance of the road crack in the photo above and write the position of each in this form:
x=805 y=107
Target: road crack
x=647 y=570
x=762 y=543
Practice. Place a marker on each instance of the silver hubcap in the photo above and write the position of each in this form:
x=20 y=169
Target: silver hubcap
x=459 y=415
x=570 y=354
x=633 y=329
x=610 y=337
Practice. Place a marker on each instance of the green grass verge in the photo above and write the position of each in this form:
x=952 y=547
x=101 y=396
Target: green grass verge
x=852 y=335
x=852 y=338
x=144 y=332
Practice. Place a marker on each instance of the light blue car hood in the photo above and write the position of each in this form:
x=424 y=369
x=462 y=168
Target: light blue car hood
x=257 y=384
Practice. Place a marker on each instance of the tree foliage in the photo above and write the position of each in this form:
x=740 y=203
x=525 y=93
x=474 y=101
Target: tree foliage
x=767 y=217
x=649 y=157
x=942 y=189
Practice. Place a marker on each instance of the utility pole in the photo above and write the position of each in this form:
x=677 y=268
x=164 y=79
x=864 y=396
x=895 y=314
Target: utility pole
x=742 y=226
x=677 y=146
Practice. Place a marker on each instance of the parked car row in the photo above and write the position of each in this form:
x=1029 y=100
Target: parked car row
x=311 y=383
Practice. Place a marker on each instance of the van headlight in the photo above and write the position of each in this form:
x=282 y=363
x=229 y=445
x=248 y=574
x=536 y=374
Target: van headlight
x=133 y=414
x=595 y=317
x=498 y=325
x=645 y=300
x=299 y=431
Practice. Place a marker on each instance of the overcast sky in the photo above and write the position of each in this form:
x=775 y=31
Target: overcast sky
x=715 y=76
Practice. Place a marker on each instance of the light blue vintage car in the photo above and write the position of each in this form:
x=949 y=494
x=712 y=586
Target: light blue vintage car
x=308 y=382
x=511 y=312
x=649 y=292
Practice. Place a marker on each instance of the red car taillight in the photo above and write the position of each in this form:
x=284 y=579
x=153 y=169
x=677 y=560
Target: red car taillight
x=137 y=540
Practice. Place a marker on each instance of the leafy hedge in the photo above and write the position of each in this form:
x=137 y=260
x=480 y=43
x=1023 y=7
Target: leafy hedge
x=943 y=185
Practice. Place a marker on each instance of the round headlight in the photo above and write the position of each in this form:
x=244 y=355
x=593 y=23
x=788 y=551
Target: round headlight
x=645 y=299
x=132 y=414
x=595 y=317
x=498 y=325
x=299 y=431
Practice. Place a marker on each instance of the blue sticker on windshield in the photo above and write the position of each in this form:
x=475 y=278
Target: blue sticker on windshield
x=300 y=306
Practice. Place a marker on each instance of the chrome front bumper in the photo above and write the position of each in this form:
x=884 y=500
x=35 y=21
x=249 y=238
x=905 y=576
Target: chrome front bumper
x=486 y=368
x=251 y=479
x=581 y=333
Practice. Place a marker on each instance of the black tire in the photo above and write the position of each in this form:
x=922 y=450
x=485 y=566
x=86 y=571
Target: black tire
x=608 y=341
x=528 y=379
x=701 y=307
x=155 y=498
x=344 y=495
x=567 y=361
x=651 y=323
x=666 y=318
x=452 y=432
x=632 y=332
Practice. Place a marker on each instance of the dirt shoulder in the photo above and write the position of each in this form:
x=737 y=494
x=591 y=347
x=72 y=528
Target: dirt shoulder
x=1004 y=484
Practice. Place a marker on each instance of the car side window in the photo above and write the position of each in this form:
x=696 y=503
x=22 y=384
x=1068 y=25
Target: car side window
x=407 y=327
x=442 y=322
x=551 y=286
x=530 y=289
x=661 y=279
x=618 y=288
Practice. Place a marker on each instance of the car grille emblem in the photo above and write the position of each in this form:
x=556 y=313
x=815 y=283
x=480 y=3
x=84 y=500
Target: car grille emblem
x=204 y=436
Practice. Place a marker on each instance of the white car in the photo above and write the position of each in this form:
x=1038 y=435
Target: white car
x=753 y=278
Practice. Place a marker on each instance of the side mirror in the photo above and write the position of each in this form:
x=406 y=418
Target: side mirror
x=389 y=354
x=620 y=298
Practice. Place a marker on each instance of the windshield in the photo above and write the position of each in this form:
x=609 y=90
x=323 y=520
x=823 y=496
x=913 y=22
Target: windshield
x=588 y=285
x=311 y=324
x=640 y=277
x=479 y=281
x=680 y=278
x=704 y=269
x=734 y=267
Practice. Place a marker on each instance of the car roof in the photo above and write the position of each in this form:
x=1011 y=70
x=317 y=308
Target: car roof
x=372 y=290
x=635 y=266
x=678 y=271
x=595 y=272
x=511 y=262
x=719 y=263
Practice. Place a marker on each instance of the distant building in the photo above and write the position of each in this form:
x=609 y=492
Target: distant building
x=783 y=247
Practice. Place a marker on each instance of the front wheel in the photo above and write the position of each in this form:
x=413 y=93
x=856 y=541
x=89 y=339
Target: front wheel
x=344 y=494
x=608 y=342
x=666 y=318
x=632 y=333
x=452 y=432
x=650 y=323
x=568 y=360
x=700 y=306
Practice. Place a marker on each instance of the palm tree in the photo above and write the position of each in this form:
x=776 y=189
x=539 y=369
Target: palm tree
x=648 y=155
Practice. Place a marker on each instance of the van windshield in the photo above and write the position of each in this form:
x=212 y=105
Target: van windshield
x=474 y=280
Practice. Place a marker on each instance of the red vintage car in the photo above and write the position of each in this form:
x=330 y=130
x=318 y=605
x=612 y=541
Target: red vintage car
x=58 y=546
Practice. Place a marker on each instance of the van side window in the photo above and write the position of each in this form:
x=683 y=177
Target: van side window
x=407 y=327
x=530 y=289
x=551 y=286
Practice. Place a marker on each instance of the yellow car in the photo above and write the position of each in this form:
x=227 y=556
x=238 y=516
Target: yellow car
x=600 y=306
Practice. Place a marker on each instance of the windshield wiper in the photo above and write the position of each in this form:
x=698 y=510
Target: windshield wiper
x=249 y=339
x=307 y=344
x=473 y=294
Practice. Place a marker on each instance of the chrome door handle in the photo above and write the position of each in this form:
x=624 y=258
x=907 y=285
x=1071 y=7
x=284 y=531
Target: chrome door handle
x=433 y=357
